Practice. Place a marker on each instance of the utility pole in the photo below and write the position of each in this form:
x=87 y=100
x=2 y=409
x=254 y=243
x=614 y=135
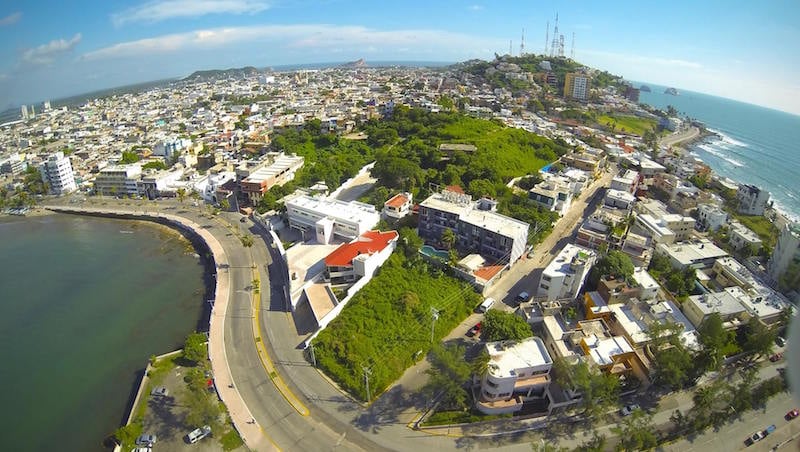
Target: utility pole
x=367 y=372
x=434 y=317
x=313 y=356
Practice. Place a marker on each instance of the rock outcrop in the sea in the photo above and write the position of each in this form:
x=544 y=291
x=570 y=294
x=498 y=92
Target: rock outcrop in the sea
x=645 y=88
x=671 y=91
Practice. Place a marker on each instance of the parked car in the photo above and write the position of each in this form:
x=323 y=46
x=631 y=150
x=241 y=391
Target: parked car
x=754 y=438
x=146 y=440
x=627 y=410
x=475 y=330
x=243 y=219
x=142 y=449
x=780 y=341
x=792 y=414
x=776 y=357
x=159 y=391
x=198 y=434
x=522 y=297
x=769 y=429
x=485 y=305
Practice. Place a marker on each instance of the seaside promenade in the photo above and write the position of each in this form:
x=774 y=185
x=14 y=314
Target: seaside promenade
x=680 y=136
x=242 y=418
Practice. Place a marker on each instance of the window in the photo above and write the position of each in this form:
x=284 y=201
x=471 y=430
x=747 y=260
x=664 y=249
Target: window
x=545 y=287
x=546 y=278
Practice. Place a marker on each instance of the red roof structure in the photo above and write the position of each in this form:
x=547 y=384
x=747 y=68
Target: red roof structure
x=370 y=242
x=397 y=200
x=455 y=189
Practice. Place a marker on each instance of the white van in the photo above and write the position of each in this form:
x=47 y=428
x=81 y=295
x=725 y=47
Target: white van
x=198 y=434
x=487 y=303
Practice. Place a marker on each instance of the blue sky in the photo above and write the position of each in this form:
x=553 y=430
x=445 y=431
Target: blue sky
x=743 y=50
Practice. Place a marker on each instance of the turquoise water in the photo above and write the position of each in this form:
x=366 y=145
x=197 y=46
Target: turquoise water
x=433 y=252
x=757 y=145
x=84 y=305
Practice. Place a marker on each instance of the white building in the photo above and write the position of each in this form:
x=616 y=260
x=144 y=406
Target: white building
x=398 y=206
x=57 y=172
x=565 y=275
x=711 y=217
x=552 y=195
x=619 y=199
x=361 y=257
x=698 y=254
x=169 y=146
x=649 y=286
x=741 y=237
x=13 y=164
x=517 y=372
x=752 y=200
x=628 y=182
x=327 y=219
x=785 y=260
x=729 y=304
x=118 y=180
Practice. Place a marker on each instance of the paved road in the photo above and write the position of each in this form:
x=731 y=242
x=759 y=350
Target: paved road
x=681 y=136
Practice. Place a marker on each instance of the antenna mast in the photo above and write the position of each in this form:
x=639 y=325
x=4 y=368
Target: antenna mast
x=547 y=38
x=522 y=44
x=554 y=44
x=572 y=52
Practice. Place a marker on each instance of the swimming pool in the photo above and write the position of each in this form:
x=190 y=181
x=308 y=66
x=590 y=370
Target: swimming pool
x=433 y=252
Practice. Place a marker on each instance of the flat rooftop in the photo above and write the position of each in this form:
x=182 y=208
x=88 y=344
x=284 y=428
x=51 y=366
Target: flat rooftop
x=485 y=219
x=561 y=265
x=510 y=356
x=280 y=165
x=333 y=208
x=691 y=252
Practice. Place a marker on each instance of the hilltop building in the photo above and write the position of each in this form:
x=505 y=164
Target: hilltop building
x=752 y=200
x=576 y=86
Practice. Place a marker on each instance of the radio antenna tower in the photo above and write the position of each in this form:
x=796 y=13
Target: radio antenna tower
x=547 y=37
x=572 y=52
x=554 y=45
x=522 y=44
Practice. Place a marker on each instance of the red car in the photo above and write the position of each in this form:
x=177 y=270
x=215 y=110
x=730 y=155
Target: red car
x=792 y=414
x=475 y=330
x=776 y=357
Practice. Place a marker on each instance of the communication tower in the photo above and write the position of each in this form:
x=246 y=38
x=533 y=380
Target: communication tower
x=547 y=37
x=522 y=44
x=557 y=46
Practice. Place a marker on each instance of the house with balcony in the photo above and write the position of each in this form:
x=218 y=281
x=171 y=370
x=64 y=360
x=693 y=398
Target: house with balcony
x=751 y=199
x=710 y=217
x=565 y=275
x=552 y=195
x=361 y=257
x=518 y=372
x=398 y=206
x=741 y=237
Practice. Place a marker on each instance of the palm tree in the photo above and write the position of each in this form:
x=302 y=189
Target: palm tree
x=480 y=366
x=181 y=192
x=448 y=238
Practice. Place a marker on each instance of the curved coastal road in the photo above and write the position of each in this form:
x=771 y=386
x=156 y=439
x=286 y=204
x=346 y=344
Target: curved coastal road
x=680 y=136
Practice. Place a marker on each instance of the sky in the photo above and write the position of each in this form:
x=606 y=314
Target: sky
x=742 y=50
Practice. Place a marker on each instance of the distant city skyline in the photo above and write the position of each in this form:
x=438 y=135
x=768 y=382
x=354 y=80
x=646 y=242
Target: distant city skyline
x=739 y=50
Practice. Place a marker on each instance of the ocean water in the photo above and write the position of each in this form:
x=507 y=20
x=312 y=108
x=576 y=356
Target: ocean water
x=756 y=145
x=85 y=302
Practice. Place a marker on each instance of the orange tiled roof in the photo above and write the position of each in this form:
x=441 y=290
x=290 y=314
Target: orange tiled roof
x=397 y=200
x=370 y=242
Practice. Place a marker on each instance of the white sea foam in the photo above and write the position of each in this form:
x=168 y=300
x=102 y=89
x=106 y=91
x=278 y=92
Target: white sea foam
x=713 y=151
x=727 y=139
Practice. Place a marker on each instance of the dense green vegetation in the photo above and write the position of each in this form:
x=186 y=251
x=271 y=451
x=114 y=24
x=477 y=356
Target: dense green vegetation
x=32 y=184
x=387 y=324
x=764 y=228
x=129 y=157
x=328 y=159
x=680 y=282
x=503 y=326
x=155 y=164
x=614 y=263
x=628 y=124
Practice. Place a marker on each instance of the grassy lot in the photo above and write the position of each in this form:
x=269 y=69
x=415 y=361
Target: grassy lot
x=761 y=226
x=386 y=327
x=630 y=124
x=460 y=417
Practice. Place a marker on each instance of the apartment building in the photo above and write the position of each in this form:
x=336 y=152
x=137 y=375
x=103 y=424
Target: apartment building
x=563 y=278
x=576 y=86
x=552 y=195
x=57 y=173
x=275 y=170
x=751 y=199
x=711 y=217
x=477 y=226
x=698 y=254
x=120 y=180
x=740 y=237
x=517 y=372
x=628 y=181
x=13 y=165
x=785 y=261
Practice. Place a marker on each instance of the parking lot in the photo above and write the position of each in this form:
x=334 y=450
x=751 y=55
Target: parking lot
x=166 y=416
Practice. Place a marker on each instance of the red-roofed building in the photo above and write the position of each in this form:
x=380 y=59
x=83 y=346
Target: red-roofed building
x=397 y=206
x=361 y=257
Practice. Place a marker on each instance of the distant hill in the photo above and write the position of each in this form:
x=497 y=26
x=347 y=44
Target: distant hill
x=222 y=73
x=358 y=63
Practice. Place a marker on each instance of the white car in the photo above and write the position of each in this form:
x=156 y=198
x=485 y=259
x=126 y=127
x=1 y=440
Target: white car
x=142 y=449
x=485 y=305
x=628 y=409
x=198 y=434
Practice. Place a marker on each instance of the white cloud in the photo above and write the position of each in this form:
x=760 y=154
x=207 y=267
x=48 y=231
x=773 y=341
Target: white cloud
x=46 y=53
x=11 y=19
x=303 y=37
x=156 y=11
x=644 y=60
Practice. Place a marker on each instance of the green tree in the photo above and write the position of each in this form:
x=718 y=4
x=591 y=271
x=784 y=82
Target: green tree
x=203 y=409
x=194 y=348
x=181 y=193
x=448 y=375
x=449 y=238
x=410 y=243
x=636 y=432
x=127 y=434
x=614 y=263
x=247 y=240
x=717 y=342
x=598 y=390
x=758 y=339
x=503 y=326
x=129 y=157
x=224 y=204
x=597 y=443
x=480 y=365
